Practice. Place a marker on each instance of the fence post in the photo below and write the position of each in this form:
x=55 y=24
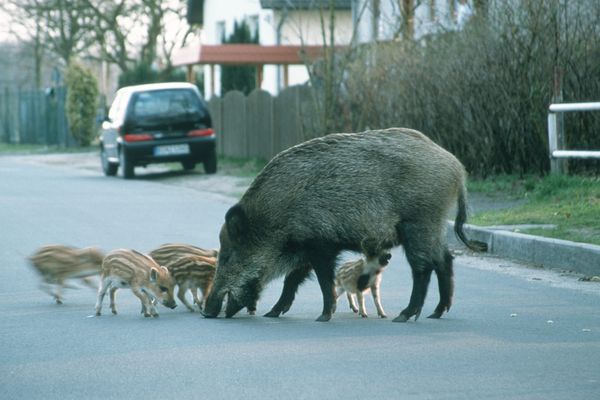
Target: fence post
x=556 y=164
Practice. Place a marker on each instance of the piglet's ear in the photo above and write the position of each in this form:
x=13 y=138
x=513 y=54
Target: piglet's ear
x=385 y=259
x=153 y=275
x=370 y=247
x=236 y=222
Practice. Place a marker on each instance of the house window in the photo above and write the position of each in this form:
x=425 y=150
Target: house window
x=252 y=22
x=220 y=32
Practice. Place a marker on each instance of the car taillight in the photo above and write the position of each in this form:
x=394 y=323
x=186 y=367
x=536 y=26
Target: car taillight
x=137 y=137
x=201 y=132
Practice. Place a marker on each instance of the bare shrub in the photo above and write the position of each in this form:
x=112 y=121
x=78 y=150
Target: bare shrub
x=483 y=92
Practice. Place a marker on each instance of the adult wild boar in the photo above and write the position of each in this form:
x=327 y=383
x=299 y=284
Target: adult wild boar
x=326 y=195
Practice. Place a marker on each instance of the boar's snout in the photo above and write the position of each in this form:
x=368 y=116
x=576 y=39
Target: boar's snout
x=214 y=302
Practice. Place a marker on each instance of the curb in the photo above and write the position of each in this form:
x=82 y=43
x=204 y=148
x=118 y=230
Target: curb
x=545 y=252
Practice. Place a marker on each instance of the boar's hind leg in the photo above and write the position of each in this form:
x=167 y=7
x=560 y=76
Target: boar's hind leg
x=290 y=287
x=445 y=276
x=420 y=248
x=417 y=297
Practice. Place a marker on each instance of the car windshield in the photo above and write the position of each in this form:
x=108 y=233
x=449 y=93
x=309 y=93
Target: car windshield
x=173 y=104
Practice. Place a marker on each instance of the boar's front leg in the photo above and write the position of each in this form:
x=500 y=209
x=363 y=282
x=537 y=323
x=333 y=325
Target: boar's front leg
x=325 y=278
x=323 y=262
x=290 y=287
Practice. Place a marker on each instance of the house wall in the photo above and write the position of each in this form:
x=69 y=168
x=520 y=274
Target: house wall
x=274 y=27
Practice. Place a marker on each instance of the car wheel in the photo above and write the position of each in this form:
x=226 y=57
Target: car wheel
x=210 y=163
x=109 y=169
x=127 y=165
x=188 y=165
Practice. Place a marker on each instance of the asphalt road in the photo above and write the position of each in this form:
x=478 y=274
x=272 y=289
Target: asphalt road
x=513 y=332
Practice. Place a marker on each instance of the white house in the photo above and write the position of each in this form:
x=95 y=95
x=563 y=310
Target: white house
x=300 y=22
x=277 y=22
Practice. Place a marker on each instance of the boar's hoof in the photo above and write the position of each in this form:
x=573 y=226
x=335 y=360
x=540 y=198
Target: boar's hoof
x=401 y=318
x=207 y=315
x=407 y=313
x=272 y=314
x=324 y=318
x=436 y=314
x=146 y=315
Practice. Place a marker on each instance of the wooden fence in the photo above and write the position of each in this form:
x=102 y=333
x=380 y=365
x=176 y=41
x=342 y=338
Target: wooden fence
x=34 y=117
x=254 y=126
x=259 y=125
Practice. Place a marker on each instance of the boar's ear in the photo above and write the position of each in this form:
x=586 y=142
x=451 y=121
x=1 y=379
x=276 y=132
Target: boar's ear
x=153 y=275
x=237 y=222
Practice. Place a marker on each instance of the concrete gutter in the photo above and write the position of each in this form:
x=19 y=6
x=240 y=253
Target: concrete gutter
x=548 y=253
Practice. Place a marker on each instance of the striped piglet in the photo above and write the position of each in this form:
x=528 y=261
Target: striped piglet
x=192 y=268
x=57 y=264
x=356 y=277
x=147 y=280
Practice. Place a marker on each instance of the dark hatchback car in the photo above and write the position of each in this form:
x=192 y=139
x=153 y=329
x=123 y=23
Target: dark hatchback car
x=157 y=123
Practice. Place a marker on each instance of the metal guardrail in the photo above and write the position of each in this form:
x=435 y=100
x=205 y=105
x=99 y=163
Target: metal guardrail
x=556 y=136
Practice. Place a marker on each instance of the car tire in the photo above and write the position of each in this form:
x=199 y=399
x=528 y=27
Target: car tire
x=188 y=165
x=210 y=162
x=127 y=165
x=109 y=169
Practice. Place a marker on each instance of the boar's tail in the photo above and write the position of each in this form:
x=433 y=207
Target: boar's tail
x=461 y=218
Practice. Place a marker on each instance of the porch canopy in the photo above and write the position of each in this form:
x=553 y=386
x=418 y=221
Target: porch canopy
x=245 y=54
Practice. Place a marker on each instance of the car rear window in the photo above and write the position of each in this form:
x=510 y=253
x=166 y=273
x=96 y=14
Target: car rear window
x=166 y=103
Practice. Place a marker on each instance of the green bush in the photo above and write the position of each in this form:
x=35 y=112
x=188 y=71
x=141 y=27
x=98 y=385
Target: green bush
x=239 y=77
x=82 y=97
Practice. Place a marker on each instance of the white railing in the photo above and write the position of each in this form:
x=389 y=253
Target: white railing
x=556 y=136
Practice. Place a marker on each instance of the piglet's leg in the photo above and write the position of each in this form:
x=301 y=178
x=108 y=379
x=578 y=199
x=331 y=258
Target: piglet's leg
x=58 y=292
x=147 y=307
x=351 y=302
x=377 y=300
x=113 y=306
x=104 y=285
x=362 y=311
x=181 y=296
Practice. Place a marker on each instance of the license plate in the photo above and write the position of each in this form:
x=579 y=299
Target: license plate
x=171 y=150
